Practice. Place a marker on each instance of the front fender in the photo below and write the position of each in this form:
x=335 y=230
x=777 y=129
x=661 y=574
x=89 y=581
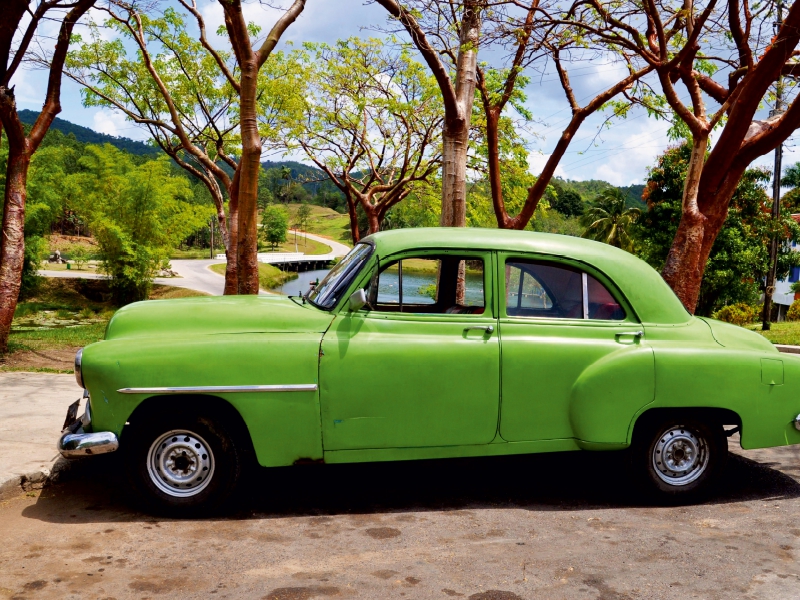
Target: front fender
x=284 y=426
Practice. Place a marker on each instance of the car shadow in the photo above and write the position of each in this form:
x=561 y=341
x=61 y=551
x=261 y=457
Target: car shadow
x=93 y=490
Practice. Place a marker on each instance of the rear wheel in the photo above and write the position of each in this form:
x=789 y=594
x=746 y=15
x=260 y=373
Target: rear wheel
x=183 y=465
x=677 y=460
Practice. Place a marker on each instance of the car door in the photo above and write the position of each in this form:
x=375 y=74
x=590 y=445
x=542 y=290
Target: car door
x=571 y=349
x=419 y=365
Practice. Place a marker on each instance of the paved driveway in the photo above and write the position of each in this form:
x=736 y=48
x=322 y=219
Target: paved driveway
x=563 y=526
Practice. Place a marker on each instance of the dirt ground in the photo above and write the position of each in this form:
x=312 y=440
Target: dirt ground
x=548 y=526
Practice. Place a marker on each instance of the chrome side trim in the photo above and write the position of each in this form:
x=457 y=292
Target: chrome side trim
x=209 y=389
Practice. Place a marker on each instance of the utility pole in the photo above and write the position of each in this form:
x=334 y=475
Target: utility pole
x=769 y=288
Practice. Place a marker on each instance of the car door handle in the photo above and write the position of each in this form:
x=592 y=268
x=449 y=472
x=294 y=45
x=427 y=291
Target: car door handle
x=487 y=329
x=636 y=335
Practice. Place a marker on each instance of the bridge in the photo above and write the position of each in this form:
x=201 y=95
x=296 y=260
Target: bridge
x=294 y=261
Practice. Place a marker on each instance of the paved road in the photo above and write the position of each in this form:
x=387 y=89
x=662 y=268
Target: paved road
x=545 y=527
x=337 y=248
x=195 y=274
x=33 y=406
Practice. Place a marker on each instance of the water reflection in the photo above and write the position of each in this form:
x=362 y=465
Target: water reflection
x=416 y=286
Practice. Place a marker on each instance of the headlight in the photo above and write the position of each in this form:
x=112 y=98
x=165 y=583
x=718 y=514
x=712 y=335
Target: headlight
x=78 y=374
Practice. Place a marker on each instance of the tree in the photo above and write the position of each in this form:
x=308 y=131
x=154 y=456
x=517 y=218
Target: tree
x=738 y=261
x=176 y=87
x=370 y=123
x=609 y=221
x=456 y=26
x=568 y=202
x=138 y=214
x=250 y=61
x=15 y=47
x=182 y=81
x=501 y=88
x=303 y=214
x=691 y=45
x=274 y=224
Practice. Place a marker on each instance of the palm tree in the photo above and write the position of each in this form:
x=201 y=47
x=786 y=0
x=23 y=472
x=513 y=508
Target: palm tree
x=609 y=221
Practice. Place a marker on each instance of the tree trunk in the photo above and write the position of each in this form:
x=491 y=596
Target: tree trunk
x=249 y=166
x=687 y=257
x=455 y=135
x=454 y=175
x=373 y=218
x=232 y=251
x=351 y=211
x=12 y=239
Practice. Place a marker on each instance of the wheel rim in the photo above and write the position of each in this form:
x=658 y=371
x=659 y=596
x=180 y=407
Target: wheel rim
x=180 y=463
x=680 y=456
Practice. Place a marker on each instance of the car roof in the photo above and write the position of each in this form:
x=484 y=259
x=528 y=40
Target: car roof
x=651 y=298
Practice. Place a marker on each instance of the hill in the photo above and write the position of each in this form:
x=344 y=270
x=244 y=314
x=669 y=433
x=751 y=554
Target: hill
x=590 y=188
x=90 y=136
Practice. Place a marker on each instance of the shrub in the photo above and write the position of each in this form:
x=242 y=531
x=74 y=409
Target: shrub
x=80 y=256
x=739 y=314
x=793 y=314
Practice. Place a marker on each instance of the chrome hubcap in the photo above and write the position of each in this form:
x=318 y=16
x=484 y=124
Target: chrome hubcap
x=680 y=456
x=180 y=463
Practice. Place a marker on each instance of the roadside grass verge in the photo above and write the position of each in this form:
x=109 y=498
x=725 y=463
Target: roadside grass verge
x=786 y=332
x=269 y=277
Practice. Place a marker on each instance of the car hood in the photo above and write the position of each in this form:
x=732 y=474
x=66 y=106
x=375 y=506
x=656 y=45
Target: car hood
x=216 y=315
x=733 y=336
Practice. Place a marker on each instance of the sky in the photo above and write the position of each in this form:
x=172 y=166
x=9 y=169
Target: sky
x=619 y=153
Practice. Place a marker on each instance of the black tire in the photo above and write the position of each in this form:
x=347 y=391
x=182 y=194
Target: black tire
x=676 y=460
x=182 y=465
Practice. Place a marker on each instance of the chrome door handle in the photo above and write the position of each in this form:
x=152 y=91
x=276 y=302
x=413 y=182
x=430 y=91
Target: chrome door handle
x=488 y=329
x=635 y=334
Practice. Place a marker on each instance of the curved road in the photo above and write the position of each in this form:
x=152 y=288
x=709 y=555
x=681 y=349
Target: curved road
x=195 y=274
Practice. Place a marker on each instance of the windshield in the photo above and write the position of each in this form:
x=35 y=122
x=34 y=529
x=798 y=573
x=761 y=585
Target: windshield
x=336 y=282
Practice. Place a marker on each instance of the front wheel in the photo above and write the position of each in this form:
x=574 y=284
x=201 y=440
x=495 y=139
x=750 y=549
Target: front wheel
x=677 y=460
x=183 y=465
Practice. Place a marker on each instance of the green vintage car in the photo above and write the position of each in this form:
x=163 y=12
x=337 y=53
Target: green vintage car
x=432 y=343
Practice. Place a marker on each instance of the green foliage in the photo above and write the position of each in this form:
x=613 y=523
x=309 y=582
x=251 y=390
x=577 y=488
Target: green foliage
x=740 y=314
x=138 y=214
x=793 y=314
x=79 y=255
x=302 y=215
x=568 y=202
x=737 y=264
x=274 y=224
x=552 y=221
x=609 y=221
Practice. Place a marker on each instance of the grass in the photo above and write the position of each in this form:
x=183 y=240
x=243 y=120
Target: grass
x=786 y=332
x=194 y=253
x=269 y=277
x=89 y=268
x=327 y=222
x=306 y=246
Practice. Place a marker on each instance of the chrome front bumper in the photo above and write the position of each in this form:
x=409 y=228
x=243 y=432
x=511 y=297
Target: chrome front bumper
x=75 y=442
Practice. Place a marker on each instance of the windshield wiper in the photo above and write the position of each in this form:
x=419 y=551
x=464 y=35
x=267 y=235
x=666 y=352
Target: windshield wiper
x=294 y=299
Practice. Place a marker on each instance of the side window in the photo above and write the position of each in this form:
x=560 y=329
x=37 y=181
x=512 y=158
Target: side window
x=429 y=285
x=549 y=290
x=419 y=281
x=602 y=304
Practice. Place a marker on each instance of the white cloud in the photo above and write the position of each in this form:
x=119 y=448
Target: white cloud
x=110 y=123
x=537 y=161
